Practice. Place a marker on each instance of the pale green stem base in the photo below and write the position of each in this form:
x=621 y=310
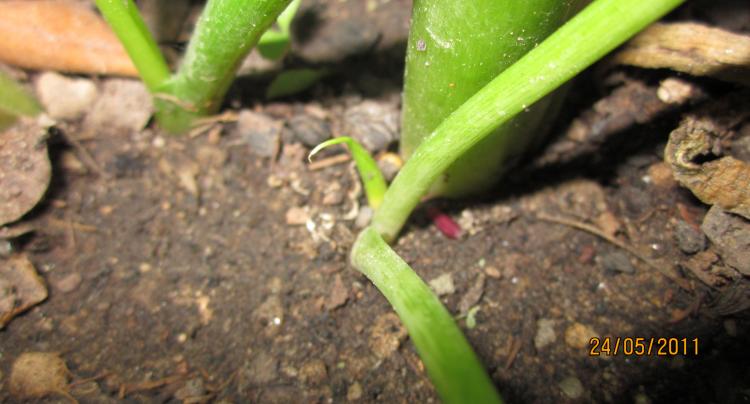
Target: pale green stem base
x=594 y=32
x=452 y=365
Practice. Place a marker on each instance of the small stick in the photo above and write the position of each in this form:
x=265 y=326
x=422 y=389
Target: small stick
x=595 y=231
x=86 y=157
x=328 y=162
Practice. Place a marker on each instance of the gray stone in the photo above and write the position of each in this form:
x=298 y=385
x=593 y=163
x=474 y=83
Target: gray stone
x=123 y=105
x=689 y=239
x=730 y=234
x=262 y=133
x=571 y=387
x=545 y=333
x=309 y=130
x=374 y=124
x=616 y=261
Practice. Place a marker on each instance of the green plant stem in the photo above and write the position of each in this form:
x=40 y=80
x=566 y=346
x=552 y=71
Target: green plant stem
x=224 y=34
x=15 y=100
x=126 y=22
x=451 y=363
x=587 y=37
x=455 y=49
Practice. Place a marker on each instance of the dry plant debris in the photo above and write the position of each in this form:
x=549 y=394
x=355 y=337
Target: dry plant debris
x=691 y=48
x=24 y=170
x=39 y=374
x=724 y=182
x=62 y=36
x=20 y=287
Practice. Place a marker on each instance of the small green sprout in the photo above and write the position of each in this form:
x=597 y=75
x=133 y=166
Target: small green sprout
x=372 y=178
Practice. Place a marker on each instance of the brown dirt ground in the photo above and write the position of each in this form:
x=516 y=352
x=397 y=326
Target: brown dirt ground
x=193 y=287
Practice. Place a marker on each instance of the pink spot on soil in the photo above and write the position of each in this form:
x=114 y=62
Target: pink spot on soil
x=444 y=223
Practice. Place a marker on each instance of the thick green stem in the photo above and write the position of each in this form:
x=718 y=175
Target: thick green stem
x=224 y=34
x=452 y=365
x=126 y=22
x=594 y=32
x=455 y=49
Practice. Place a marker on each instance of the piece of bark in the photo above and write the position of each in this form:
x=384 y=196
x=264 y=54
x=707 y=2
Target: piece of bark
x=690 y=48
x=724 y=181
x=63 y=36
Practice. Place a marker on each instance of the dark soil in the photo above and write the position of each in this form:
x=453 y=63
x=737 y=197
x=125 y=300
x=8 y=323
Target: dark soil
x=180 y=270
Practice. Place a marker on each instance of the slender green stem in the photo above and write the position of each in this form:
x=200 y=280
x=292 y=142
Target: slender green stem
x=369 y=172
x=126 y=22
x=594 y=32
x=224 y=34
x=452 y=365
x=14 y=99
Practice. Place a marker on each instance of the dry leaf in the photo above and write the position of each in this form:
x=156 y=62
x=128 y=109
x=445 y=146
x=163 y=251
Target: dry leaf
x=690 y=48
x=20 y=287
x=25 y=169
x=724 y=181
x=55 y=35
x=37 y=375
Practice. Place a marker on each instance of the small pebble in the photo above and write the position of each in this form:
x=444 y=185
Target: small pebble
x=64 y=97
x=192 y=389
x=309 y=130
x=578 y=335
x=443 y=285
x=389 y=164
x=262 y=133
x=297 y=216
x=616 y=261
x=123 y=105
x=545 y=334
x=571 y=387
x=313 y=372
x=354 y=392
x=374 y=124
x=363 y=217
x=37 y=375
x=730 y=235
x=386 y=335
x=492 y=272
x=69 y=283
x=689 y=239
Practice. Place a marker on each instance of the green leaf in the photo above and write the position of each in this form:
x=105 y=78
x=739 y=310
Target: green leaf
x=372 y=178
x=294 y=81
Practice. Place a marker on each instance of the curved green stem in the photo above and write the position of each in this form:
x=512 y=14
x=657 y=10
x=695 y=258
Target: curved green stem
x=587 y=37
x=126 y=22
x=224 y=34
x=452 y=365
x=369 y=172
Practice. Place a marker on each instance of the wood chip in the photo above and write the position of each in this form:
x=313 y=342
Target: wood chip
x=690 y=48
x=724 y=181
x=62 y=36
x=20 y=288
x=25 y=170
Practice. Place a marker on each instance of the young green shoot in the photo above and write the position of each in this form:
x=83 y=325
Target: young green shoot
x=372 y=178
x=583 y=40
x=128 y=26
x=453 y=367
x=224 y=34
x=595 y=31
